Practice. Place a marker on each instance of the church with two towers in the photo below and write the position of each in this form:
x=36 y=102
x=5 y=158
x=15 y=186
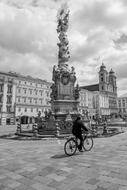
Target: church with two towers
x=107 y=86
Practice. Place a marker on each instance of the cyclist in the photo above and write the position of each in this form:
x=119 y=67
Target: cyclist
x=77 y=131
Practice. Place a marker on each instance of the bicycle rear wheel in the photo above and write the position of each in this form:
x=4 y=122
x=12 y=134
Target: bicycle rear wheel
x=88 y=143
x=70 y=147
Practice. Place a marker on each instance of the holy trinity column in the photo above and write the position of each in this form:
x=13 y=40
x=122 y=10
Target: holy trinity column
x=65 y=94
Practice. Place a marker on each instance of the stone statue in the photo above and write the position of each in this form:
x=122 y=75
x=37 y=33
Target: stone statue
x=76 y=92
x=53 y=94
x=72 y=70
x=62 y=19
x=64 y=94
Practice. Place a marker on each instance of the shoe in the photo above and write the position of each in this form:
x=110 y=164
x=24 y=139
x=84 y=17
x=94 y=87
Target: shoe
x=80 y=150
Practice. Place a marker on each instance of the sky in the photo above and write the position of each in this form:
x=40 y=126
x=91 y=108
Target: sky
x=97 y=33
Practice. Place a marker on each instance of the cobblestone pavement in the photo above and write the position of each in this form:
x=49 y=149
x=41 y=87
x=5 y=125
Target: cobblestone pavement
x=8 y=129
x=42 y=165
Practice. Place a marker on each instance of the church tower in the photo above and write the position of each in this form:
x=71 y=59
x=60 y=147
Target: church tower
x=103 y=79
x=112 y=81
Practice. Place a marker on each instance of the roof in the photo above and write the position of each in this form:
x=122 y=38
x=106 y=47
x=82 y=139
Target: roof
x=124 y=95
x=20 y=76
x=94 y=87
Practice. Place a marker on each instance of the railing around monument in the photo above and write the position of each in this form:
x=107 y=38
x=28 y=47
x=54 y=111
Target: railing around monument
x=54 y=127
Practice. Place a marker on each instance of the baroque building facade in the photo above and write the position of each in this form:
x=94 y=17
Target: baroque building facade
x=93 y=103
x=102 y=97
x=22 y=96
x=32 y=96
x=107 y=85
x=7 y=98
x=122 y=106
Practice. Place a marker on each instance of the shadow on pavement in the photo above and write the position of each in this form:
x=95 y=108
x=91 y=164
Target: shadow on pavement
x=13 y=137
x=58 y=156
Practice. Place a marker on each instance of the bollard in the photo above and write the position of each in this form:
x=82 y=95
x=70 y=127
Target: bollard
x=105 y=128
x=35 y=130
x=18 y=129
x=57 y=130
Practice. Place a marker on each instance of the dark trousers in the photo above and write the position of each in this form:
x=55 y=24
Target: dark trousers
x=79 y=136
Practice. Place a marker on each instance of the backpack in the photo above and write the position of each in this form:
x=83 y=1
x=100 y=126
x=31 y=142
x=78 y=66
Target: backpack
x=74 y=128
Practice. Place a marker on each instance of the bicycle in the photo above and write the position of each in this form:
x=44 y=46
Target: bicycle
x=71 y=145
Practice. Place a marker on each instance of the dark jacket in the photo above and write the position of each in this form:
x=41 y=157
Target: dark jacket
x=77 y=127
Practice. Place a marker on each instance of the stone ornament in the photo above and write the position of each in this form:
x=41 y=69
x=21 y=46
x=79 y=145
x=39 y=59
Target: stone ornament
x=65 y=78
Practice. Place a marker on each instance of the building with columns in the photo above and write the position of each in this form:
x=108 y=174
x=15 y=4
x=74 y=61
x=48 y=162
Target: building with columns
x=22 y=96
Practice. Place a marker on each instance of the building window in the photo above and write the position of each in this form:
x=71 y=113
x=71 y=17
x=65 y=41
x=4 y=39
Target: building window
x=124 y=110
x=120 y=110
x=31 y=109
x=19 y=109
x=102 y=88
x=30 y=91
x=47 y=93
x=18 y=99
x=9 y=99
x=8 y=121
x=37 y=110
x=24 y=99
x=19 y=82
x=0 y=108
x=47 y=101
x=30 y=100
x=102 y=79
x=41 y=101
x=25 y=82
x=35 y=101
x=36 y=92
x=41 y=92
x=24 y=91
x=19 y=90
x=123 y=102
x=1 y=87
x=9 y=89
x=25 y=109
x=8 y=109
x=1 y=98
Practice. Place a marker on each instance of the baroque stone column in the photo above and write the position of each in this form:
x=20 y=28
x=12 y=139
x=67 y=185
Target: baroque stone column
x=64 y=95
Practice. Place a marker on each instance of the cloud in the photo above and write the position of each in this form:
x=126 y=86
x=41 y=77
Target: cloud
x=97 y=28
x=26 y=39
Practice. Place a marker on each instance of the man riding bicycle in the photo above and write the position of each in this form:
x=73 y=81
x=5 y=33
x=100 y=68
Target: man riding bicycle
x=77 y=131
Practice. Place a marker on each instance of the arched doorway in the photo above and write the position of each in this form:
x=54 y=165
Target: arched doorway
x=24 y=119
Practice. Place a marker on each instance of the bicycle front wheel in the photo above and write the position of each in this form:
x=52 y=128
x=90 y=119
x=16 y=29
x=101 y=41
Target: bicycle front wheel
x=88 y=143
x=70 y=147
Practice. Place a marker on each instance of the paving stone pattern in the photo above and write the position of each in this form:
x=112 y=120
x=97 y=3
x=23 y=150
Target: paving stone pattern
x=42 y=165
